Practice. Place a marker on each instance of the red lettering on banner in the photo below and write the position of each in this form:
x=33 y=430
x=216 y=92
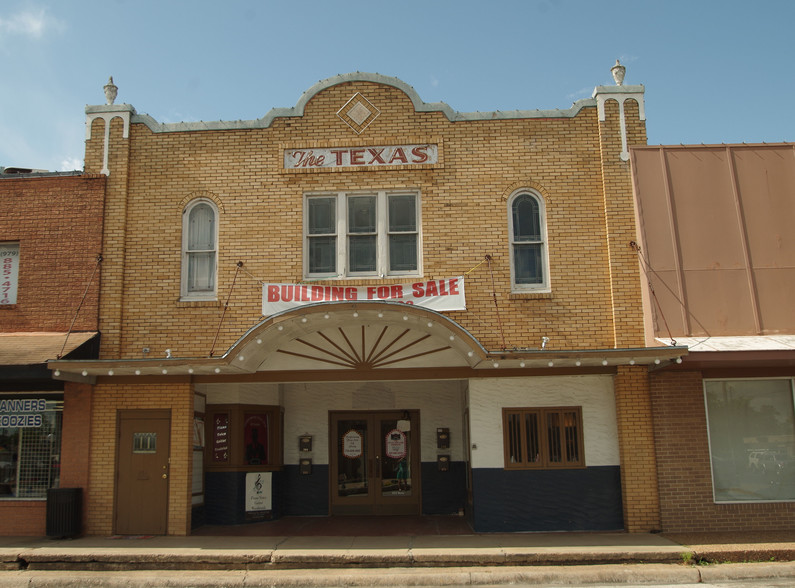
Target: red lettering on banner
x=287 y=293
x=308 y=159
x=419 y=154
x=435 y=288
x=350 y=294
x=376 y=155
x=399 y=154
x=273 y=293
x=397 y=291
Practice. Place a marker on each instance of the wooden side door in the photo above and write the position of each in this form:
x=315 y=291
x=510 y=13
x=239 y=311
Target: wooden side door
x=374 y=463
x=142 y=476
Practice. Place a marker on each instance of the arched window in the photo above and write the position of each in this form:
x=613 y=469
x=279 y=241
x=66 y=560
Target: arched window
x=528 y=234
x=199 y=250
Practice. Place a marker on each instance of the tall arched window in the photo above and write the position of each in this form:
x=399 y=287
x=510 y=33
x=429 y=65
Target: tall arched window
x=529 y=266
x=199 y=250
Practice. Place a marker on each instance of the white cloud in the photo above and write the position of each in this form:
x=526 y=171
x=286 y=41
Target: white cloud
x=71 y=164
x=28 y=23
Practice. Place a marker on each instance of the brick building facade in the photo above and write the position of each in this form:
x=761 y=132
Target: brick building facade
x=51 y=241
x=719 y=267
x=514 y=391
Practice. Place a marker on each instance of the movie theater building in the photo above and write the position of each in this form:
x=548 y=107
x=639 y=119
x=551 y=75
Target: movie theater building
x=367 y=304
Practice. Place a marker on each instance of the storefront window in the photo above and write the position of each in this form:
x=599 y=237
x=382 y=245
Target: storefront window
x=752 y=439
x=30 y=446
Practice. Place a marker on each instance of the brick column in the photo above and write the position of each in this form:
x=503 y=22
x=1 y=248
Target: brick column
x=636 y=443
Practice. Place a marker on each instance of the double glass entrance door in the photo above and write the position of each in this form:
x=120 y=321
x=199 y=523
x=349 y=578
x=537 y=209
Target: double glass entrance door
x=375 y=463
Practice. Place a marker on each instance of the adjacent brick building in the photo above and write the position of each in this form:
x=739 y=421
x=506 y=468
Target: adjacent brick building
x=368 y=304
x=50 y=251
x=715 y=246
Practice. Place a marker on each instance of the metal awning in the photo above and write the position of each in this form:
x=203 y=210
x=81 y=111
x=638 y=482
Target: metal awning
x=39 y=348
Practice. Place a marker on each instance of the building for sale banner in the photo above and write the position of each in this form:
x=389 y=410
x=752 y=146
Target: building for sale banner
x=369 y=304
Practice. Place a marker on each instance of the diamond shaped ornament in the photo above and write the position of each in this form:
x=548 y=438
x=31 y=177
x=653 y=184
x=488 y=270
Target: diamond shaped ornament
x=358 y=113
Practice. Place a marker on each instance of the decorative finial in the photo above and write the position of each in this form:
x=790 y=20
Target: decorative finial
x=110 y=91
x=618 y=72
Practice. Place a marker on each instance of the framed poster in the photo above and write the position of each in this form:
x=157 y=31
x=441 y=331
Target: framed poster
x=352 y=446
x=255 y=436
x=221 y=438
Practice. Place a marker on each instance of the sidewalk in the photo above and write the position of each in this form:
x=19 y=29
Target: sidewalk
x=427 y=560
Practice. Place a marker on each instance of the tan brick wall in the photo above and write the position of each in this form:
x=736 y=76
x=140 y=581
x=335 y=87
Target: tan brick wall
x=636 y=443
x=620 y=223
x=464 y=218
x=682 y=445
x=58 y=224
x=108 y=400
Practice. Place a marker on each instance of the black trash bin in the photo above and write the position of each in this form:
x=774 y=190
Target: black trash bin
x=64 y=512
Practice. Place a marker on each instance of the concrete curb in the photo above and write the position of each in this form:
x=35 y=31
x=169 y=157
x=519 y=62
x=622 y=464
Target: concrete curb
x=483 y=576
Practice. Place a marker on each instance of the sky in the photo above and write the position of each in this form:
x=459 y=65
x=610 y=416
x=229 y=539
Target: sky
x=715 y=71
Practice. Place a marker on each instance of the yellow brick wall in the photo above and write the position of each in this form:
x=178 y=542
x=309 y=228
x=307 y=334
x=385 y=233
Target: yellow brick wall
x=464 y=218
x=636 y=444
x=107 y=401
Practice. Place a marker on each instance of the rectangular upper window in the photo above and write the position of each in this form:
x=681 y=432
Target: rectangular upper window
x=370 y=234
x=543 y=438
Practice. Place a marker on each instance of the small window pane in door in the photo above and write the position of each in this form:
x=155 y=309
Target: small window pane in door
x=144 y=442
x=351 y=457
x=395 y=460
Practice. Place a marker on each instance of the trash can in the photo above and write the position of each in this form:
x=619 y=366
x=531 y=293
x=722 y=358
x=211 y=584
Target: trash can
x=64 y=512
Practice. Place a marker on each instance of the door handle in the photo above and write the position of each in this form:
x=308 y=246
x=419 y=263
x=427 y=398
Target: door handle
x=165 y=476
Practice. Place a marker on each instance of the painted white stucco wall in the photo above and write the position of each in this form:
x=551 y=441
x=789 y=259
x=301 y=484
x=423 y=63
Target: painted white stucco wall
x=306 y=408
x=487 y=398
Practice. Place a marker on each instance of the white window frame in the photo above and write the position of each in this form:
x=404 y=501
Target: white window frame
x=709 y=437
x=382 y=234
x=544 y=285
x=185 y=295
